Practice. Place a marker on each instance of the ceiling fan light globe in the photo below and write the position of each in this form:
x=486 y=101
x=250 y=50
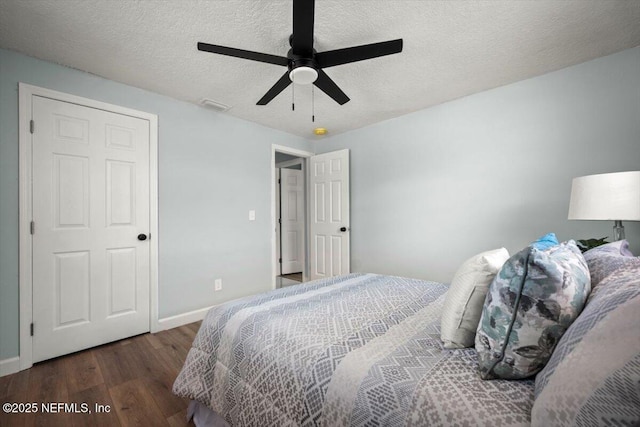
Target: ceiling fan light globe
x=303 y=75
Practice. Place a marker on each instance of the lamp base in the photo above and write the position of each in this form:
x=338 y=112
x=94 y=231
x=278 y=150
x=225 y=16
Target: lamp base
x=618 y=231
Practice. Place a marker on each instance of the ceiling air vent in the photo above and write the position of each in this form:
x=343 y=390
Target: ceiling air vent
x=214 y=105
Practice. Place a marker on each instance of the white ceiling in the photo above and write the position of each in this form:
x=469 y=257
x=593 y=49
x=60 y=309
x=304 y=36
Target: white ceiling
x=451 y=49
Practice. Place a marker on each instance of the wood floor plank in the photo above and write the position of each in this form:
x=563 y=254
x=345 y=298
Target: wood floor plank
x=48 y=390
x=183 y=336
x=176 y=338
x=82 y=371
x=188 y=332
x=168 y=403
x=42 y=370
x=103 y=413
x=157 y=367
x=117 y=364
x=12 y=419
x=154 y=341
x=4 y=385
x=13 y=384
x=141 y=356
x=172 y=357
x=135 y=406
x=158 y=377
x=195 y=326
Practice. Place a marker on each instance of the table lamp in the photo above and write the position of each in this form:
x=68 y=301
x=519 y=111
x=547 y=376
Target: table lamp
x=609 y=196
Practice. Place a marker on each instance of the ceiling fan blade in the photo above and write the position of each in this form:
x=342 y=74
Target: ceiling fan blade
x=332 y=58
x=280 y=85
x=325 y=84
x=244 y=54
x=303 y=15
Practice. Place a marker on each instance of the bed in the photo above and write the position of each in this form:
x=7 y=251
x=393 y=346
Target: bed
x=369 y=350
x=358 y=350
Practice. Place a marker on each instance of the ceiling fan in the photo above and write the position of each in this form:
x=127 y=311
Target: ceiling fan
x=304 y=64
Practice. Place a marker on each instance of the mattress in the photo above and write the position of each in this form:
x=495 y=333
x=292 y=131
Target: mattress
x=360 y=349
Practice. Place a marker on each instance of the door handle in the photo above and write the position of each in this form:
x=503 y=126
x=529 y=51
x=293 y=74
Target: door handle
x=343 y=229
x=142 y=237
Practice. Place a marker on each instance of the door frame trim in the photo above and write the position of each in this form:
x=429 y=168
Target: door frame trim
x=293 y=152
x=288 y=163
x=26 y=92
x=305 y=237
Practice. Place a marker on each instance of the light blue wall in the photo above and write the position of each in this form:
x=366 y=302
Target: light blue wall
x=494 y=169
x=213 y=169
x=427 y=190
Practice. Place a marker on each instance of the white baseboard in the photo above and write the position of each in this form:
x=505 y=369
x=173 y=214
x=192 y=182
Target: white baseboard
x=9 y=366
x=182 y=319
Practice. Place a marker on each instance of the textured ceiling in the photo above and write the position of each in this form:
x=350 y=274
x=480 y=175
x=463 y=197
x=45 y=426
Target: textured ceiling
x=451 y=49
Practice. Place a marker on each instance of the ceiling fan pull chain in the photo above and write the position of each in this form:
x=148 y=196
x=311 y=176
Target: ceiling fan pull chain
x=313 y=105
x=293 y=97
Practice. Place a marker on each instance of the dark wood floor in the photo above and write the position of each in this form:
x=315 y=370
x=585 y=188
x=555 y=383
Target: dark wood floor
x=133 y=377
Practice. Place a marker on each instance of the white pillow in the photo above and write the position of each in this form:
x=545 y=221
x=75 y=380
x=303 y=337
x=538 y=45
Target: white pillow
x=463 y=304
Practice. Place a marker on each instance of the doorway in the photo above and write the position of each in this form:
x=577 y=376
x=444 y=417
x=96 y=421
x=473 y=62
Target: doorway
x=289 y=215
x=291 y=229
x=326 y=195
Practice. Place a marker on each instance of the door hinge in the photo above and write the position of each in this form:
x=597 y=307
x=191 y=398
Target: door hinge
x=280 y=260
x=278 y=178
x=31 y=329
x=279 y=220
x=32 y=125
x=32 y=227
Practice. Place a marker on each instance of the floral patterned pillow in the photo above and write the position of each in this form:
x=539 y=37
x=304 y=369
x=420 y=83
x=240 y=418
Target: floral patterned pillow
x=531 y=302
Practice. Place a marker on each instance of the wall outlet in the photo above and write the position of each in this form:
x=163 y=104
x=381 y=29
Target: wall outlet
x=252 y=215
x=218 y=285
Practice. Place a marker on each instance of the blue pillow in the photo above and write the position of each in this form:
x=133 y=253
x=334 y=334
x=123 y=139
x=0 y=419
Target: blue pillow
x=545 y=242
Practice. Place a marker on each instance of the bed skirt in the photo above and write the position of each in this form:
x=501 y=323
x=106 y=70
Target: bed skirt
x=204 y=416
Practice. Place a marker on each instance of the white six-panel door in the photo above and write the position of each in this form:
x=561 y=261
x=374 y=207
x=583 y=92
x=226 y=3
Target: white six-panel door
x=292 y=216
x=90 y=202
x=329 y=206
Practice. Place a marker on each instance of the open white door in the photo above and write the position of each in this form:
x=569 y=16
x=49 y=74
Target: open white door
x=329 y=206
x=292 y=216
x=91 y=210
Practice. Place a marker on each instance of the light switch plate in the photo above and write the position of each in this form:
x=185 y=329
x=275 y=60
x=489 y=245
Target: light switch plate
x=252 y=215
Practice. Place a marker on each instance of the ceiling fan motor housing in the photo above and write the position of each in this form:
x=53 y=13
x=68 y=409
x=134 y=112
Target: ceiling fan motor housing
x=302 y=70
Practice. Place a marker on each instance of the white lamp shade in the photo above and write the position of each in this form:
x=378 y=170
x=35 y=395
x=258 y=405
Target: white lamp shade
x=609 y=196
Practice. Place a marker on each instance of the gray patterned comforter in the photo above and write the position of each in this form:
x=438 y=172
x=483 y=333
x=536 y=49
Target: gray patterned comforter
x=361 y=349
